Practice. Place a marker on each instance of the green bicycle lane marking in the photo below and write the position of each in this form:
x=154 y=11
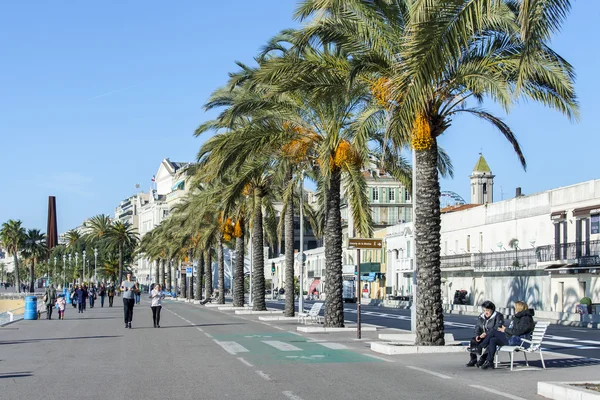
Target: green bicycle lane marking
x=310 y=353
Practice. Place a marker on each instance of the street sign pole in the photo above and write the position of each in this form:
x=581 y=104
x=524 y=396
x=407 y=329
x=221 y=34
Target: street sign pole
x=358 y=294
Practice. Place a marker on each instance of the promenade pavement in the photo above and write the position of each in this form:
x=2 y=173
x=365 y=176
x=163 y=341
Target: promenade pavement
x=202 y=353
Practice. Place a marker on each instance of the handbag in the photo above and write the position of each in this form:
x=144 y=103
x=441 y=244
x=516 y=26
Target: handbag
x=45 y=298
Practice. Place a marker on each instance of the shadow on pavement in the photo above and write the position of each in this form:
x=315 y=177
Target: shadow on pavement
x=26 y=341
x=15 y=374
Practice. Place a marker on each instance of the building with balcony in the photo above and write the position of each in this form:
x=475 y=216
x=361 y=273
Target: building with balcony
x=128 y=210
x=542 y=248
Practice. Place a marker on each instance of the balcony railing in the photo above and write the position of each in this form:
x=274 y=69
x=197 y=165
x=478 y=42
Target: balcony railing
x=457 y=260
x=567 y=251
x=521 y=258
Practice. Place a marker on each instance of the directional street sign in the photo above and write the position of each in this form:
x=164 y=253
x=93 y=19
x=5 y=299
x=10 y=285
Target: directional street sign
x=189 y=270
x=359 y=243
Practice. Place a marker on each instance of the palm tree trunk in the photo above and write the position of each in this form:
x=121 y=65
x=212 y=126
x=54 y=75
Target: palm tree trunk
x=208 y=283
x=430 y=322
x=334 y=306
x=32 y=276
x=221 y=266
x=199 y=274
x=17 y=278
x=289 y=253
x=238 y=298
x=162 y=274
x=170 y=275
x=120 y=263
x=258 y=259
x=157 y=271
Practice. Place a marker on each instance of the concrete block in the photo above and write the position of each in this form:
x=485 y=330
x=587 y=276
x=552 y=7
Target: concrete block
x=564 y=391
x=250 y=312
x=322 y=329
x=409 y=337
x=234 y=308
x=277 y=318
x=391 y=349
x=211 y=305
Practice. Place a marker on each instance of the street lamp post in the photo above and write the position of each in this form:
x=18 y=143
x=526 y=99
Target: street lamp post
x=64 y=267
x=77 y=264
x=83 y=267
x=301 y=252
x=95 y=265
x=70 y=257
x=54 y=271
x=413 y=308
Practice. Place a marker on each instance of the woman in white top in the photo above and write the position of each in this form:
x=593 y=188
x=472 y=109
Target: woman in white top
x=156 y=304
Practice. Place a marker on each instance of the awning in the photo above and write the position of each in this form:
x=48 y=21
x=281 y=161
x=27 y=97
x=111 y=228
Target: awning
x=557 y=215
x=313 y=286
x=179 y=185
x=586 y=210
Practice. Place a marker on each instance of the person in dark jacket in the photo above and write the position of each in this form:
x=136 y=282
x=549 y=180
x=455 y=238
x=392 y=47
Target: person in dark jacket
x=81 y=295
x=487 y=323
x=520 y=326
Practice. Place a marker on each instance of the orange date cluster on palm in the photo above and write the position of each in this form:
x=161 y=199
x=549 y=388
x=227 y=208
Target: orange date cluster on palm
x=421 y=134
x=380 y=89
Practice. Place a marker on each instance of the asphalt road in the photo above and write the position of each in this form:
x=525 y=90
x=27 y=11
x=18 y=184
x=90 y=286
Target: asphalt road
x=576 y=341
x=202 y=353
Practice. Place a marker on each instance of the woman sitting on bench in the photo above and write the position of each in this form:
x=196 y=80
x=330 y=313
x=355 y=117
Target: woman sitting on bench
x=520 y=326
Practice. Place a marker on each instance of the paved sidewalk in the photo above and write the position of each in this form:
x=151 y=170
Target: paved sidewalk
x=202 y=353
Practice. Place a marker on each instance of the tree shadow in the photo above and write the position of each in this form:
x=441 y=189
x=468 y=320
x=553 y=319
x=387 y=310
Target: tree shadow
x=27 y=341
x=23 y=374
x=522 y=290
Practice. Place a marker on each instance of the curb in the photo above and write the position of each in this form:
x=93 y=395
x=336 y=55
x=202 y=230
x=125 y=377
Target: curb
x=390 y=349
x=564 y=391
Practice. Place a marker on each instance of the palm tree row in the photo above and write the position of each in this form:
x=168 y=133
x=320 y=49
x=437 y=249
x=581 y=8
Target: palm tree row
x=109 y=239
x=362 y=82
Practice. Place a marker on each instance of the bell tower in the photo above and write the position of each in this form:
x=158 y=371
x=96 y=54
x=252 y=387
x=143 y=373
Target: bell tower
x=482 y=183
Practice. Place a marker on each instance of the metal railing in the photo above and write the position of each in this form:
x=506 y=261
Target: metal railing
x=456 y=260
x=567 y=251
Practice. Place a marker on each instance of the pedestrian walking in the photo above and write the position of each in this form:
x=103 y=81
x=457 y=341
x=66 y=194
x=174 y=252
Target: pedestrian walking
x=92 y=295
x=73 y=296
x=156 y=304
x=129 y=289
x=111 y=293
x=102 y=294
x=61 y=303
x=49 y=300
x=81 y=293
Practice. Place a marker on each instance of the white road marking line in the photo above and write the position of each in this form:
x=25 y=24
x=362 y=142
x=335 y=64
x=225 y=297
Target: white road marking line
x=569 y=345
x=208 y=335
x=281 y=345
x=294 y=333
x=278 y=327
x=245 y=362
x=232 y=347
x=334 y=346
x=379 y=358
x=266 y=323
x=508 y=396
x=291 y=395
x=559 y=337
x=200 y=329
x=579 y=330
x=429 y=372
x=263 y=375
x=589 y=341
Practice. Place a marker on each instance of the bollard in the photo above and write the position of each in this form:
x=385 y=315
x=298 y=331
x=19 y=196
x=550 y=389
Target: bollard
x=30 y=308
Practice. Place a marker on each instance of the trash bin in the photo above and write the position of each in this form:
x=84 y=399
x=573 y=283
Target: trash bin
x=30 y=307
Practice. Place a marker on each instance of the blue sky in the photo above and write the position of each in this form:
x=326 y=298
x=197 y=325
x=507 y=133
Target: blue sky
x=93 y=95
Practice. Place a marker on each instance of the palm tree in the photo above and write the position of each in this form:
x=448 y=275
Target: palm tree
x=429 y=58
x=12 y=236
x=122 y=236
x=34 y=247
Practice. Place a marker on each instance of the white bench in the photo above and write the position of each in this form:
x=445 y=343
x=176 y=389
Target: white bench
x=535 y=345
x=312 y=315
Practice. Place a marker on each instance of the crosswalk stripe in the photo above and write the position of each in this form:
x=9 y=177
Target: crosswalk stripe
x=281 y=345
x=569 y=345
x=334 y=346
x=232 y=347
